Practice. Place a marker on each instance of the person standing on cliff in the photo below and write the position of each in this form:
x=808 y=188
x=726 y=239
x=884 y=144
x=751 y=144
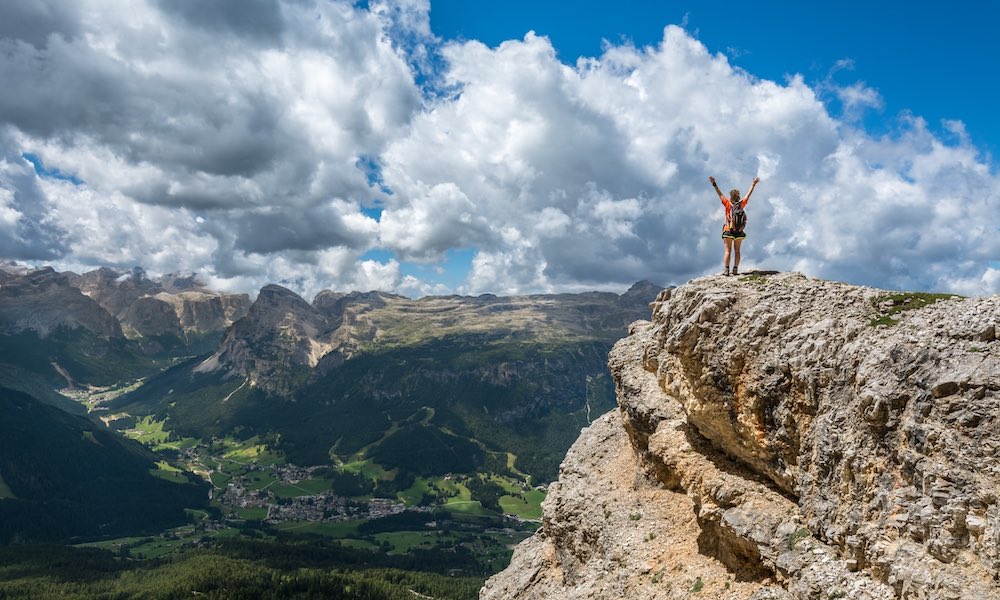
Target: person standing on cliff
x=732 y=232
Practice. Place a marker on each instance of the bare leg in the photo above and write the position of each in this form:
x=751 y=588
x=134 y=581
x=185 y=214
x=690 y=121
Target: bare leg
x=736 y=259
x=728 y=242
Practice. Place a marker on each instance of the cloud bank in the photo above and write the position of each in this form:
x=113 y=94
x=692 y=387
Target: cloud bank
x=323 y=145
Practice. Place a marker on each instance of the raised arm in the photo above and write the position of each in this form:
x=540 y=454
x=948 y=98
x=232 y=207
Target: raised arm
x=717 y=190
x=753 y=185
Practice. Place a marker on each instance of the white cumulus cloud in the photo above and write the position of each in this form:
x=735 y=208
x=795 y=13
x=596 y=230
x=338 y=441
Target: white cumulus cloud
x=596 y=174
x=322 y=144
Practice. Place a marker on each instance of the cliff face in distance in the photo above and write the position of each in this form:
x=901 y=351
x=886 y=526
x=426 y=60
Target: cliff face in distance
x=173 y=305
x=43 y=301
x=283 y=336
x=103 y=327
x=780 y=437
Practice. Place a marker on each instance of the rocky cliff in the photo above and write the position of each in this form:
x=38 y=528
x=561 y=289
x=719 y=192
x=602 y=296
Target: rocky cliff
x=174 y=305
x=281 y=335
x=780 y=437
x=43 y=301
x=115 y=290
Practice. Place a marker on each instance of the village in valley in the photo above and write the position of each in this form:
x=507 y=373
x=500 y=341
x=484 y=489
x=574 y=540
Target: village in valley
x=254 y=491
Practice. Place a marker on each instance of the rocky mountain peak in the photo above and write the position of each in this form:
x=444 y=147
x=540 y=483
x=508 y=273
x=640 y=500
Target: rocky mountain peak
x=9 y=269
x=642 y=291
x=175 y=283
x=276 y=295
x=813 y=440
x=280 y=334
x=277 y=305
x=175 y=305
x=116 y=290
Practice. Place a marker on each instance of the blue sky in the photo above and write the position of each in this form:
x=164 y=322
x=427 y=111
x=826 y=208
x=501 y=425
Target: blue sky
x=933 y=59
x=436 y=147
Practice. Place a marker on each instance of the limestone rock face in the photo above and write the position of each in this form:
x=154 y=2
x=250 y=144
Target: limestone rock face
x=43 y=301
x=173 y=305
x=149 y=316
x=280 y=336
x=824 y=453
x=612 y=531
x=201 y=311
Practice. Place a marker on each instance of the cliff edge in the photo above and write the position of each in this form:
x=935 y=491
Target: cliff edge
x=779 y=437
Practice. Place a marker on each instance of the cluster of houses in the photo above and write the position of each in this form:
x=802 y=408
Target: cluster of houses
x=326 y=506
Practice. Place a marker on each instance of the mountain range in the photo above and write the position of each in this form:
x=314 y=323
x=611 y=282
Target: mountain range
x=472 y=377
x=414 y=387
x=104 y=327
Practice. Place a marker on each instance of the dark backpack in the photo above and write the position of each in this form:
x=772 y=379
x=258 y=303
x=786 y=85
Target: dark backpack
x=737 y=217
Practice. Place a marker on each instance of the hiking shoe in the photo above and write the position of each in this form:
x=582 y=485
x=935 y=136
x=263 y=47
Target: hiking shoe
x=726 y=272
x=736 y=270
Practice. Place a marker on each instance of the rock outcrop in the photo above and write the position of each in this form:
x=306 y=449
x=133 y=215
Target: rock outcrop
x=202 y=311
x=780 y=437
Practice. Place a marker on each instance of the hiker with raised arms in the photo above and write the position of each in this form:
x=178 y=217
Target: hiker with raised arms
x=733 y=232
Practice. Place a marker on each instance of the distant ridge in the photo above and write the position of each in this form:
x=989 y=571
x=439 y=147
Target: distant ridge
x=337 y=375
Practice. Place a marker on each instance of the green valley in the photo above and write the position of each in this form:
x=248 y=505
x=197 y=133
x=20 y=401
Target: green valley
x=455 y=404
x=363 y=442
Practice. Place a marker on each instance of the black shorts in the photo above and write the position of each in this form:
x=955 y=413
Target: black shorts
x=733 y=235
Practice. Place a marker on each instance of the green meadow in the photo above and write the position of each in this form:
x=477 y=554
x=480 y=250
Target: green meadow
x=526 y=506
x=306 y=487
x=341 y=529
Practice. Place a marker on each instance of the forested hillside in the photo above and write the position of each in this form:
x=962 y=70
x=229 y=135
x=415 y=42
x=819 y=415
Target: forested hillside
x=225 y=573
x=64 y=477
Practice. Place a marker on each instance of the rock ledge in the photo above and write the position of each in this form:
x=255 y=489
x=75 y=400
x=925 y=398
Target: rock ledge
x=775 y=440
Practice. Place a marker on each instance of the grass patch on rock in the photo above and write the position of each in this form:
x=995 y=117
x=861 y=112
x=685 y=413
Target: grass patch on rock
x=890 y=305
x=795 y=537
